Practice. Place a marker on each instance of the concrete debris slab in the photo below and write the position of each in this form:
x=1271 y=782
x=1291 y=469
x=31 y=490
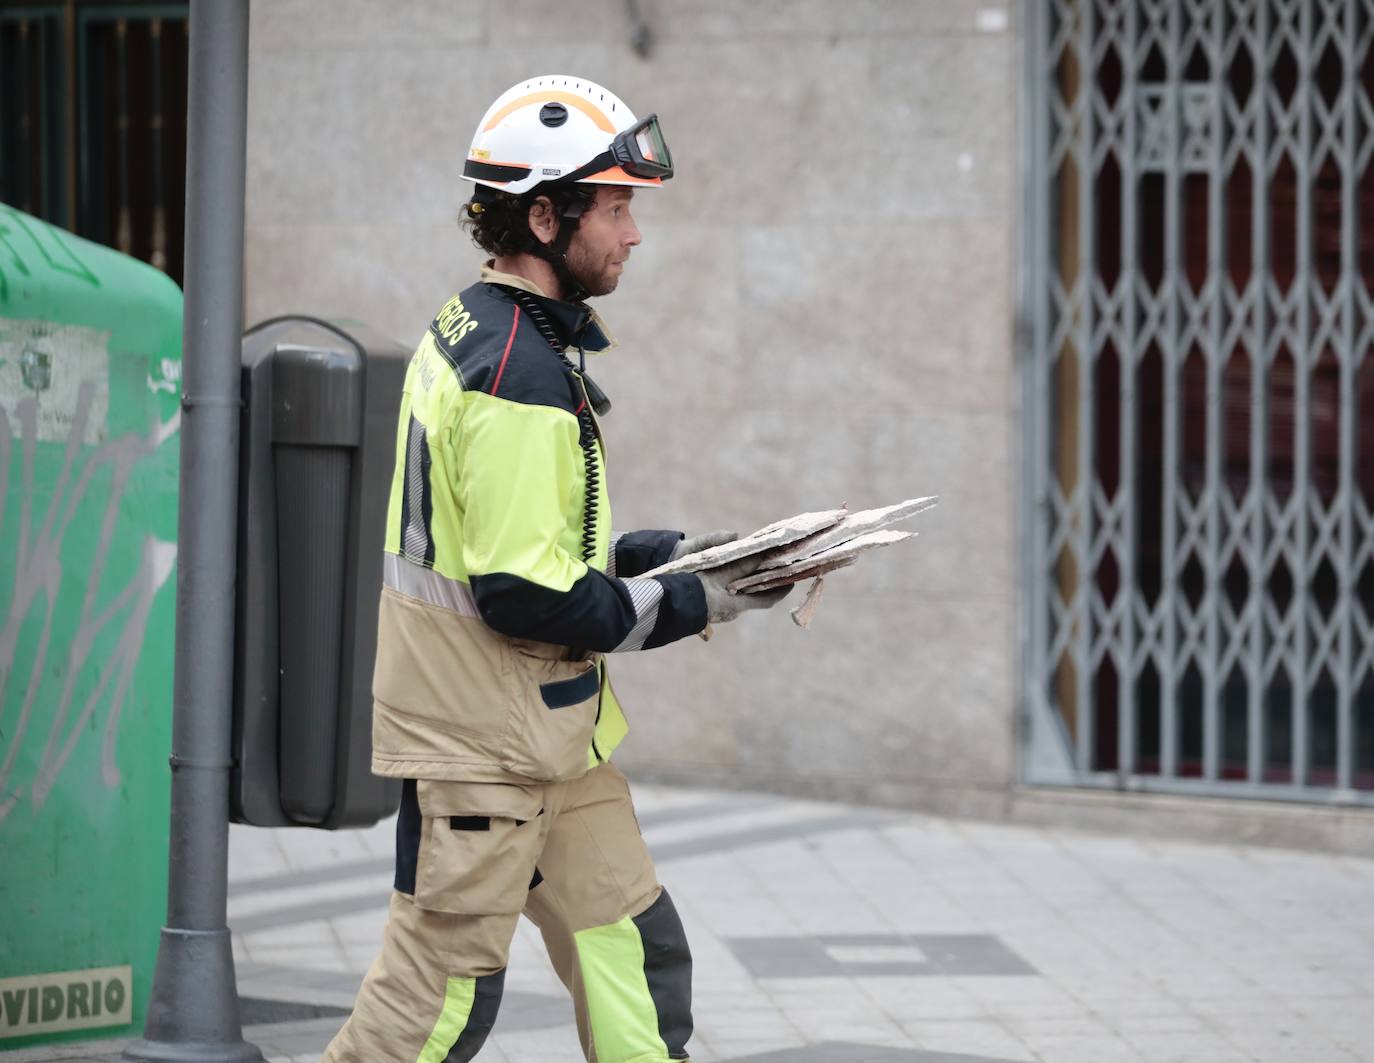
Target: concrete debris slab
x=767 y=538
x=817 y=563
x=856 y=524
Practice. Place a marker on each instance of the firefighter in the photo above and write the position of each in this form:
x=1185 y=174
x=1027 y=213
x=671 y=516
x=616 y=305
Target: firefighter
x=505 y=588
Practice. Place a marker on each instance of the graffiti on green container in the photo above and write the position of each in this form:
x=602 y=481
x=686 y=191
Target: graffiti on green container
x=38 y=579
x=58 y=256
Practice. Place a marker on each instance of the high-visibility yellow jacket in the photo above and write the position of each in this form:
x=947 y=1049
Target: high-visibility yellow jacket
x=492 y=622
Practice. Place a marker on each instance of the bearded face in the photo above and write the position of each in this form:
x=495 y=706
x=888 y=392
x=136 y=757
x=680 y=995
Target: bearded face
x=605 y=236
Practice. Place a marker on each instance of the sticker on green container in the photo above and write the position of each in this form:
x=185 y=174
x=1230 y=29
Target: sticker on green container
x=72 y=1000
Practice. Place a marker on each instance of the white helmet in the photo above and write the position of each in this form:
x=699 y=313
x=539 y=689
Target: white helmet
x=565 y=129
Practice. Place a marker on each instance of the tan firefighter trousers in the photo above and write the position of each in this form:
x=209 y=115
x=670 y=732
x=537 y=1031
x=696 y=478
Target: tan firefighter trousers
x=470 y=857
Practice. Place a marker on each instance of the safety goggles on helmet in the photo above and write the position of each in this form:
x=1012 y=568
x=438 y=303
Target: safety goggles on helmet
x=641 y=151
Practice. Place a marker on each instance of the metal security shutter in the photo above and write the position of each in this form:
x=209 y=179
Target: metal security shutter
x=1199 y=395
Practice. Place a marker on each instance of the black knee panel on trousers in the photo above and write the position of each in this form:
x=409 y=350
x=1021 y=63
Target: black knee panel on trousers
x=486 y=1000
x=407 y=838
x=668 y=970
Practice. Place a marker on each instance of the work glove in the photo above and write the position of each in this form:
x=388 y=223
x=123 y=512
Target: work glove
x=721 y=605
x=698 y=543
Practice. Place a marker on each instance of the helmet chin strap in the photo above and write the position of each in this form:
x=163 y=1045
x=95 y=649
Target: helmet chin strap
x=555 y=253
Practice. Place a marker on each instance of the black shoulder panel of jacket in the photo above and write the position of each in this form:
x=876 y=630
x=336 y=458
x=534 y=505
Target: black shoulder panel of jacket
x=638 y=552
x=495 y=348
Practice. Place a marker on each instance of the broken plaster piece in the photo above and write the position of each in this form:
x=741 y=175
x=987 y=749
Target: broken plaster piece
x=766 y=538
x=786 y=577
x=816 y=564
x=854 y=525
x=803 y=614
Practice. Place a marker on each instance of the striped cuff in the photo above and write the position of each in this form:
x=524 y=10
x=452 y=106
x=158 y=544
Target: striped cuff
x=682 y=611
x=646 y=594
x=610 y=555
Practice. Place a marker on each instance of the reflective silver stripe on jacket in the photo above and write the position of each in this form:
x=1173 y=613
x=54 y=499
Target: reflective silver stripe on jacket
x=416 y=581
x=610 y=555
x=646 y=594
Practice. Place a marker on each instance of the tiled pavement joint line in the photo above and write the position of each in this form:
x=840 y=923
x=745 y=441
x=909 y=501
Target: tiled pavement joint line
x=1204 y=885
x=820 y=956
x=778 y=991
x=291 y=915
x=706 y=810
x=295 y=1040
x=702 y=811
x=1204 y=1014
x=1125 y=959
x=311 y=977
x=1054 y=903
x=902 y=866
x=308 y=988
x=1188 y=1004
x=781 y=832
x=833 y=1052
x=859 y=975
x=262 y=1010
x=315 y=876
x=988 y=1014
x=309 y=912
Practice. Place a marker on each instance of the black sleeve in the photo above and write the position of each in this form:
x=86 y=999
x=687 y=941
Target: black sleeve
x=597 y=613
x=642 y=551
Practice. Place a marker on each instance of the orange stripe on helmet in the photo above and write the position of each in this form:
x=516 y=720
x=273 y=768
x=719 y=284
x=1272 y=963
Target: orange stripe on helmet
x=619 y=176
x=570 y=98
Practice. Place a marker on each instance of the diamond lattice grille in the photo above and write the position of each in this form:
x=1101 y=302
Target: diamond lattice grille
x=1201 y=395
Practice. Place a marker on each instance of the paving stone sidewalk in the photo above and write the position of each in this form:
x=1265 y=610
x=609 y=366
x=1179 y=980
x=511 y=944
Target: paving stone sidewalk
x=831 y=934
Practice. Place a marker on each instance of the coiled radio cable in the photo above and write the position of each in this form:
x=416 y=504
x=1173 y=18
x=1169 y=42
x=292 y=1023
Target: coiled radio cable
x=586 y=427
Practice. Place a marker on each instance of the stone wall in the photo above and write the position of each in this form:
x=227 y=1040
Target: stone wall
x=821 y=311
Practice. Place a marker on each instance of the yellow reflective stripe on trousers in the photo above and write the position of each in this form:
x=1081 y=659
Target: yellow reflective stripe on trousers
x=453 y=1020
x=621 y=1009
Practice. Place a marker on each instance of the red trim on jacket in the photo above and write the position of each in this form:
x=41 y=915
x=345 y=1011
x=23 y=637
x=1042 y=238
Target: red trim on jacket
x=515 y=324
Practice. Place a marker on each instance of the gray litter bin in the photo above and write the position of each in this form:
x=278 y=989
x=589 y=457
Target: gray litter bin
x=316 y=451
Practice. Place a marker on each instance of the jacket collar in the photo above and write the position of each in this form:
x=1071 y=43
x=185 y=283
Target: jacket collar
x=575 y=324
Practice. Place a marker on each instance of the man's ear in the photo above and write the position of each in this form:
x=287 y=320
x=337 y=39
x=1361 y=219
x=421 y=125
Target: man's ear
x=543 y=220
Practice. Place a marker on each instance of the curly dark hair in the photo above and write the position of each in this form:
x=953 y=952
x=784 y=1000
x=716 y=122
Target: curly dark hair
x=499 y=223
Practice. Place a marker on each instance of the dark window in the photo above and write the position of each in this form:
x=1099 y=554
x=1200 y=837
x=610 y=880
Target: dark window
x=93 y=122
